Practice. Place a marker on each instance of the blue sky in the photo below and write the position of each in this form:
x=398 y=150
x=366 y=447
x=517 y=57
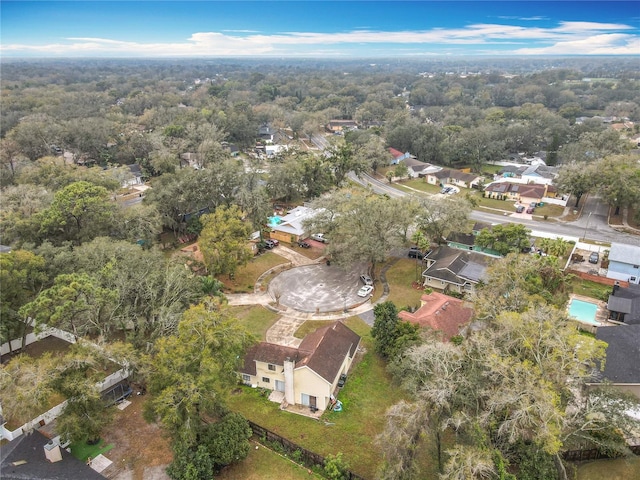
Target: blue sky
x=335 y=29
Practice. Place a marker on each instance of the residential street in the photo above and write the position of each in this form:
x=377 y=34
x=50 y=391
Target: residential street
x=593 y=218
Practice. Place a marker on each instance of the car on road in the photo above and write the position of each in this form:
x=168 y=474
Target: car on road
x=304 y=245
x=594 y=257
x=271 y=243
x=342 y=380
x=365 y=291
x=366 y=279
x=319 y=237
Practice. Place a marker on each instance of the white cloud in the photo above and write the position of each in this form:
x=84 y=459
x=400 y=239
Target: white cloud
x=587 y=38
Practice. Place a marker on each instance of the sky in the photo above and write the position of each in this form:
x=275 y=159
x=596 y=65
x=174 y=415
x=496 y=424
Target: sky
x=331 y=29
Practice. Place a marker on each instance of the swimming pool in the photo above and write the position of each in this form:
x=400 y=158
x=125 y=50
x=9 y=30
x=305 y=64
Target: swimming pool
x=583 y=311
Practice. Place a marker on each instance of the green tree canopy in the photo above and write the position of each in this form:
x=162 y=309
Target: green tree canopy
x=224 y=240
x=189 y=372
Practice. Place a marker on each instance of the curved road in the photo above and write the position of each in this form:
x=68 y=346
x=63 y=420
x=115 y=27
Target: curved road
x=593 y=221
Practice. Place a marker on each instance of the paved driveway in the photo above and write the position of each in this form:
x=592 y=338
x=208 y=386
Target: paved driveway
x=318 y=288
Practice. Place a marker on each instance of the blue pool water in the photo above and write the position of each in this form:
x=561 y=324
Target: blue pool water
x=275 y=220
x=583 y=311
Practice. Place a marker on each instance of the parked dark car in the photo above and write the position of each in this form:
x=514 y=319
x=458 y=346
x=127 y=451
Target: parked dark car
x=594 y=257
x=304 y=245
x=343 y=379
x=531 y=210
x=415 y=252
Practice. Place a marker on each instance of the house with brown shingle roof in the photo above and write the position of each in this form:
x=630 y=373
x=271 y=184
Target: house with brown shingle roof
x=442 y=313
x=307 y=375
x=524 y=193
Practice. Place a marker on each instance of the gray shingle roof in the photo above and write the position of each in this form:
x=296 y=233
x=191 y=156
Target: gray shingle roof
x=31 y=449
x=623 y=352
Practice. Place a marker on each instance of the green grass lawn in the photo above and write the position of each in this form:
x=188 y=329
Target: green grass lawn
x=420 y=184
x=245 y=278
x=366 y=396
x=590 y=289
x=264 y=464
x=255 y=318
x=82 y=451
x=618 y=469
x=311 y=326
x=400 y=278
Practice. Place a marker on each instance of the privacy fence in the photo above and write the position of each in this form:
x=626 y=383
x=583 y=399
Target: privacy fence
x=297 y=453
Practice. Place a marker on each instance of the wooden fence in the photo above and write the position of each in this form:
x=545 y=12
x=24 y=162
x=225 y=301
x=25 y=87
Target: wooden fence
x=300 y=454
x=592 y=454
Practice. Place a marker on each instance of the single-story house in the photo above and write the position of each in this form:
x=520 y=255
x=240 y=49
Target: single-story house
x=621 y=368
x=464 y=241
x=273 y=150
x=458 y=178
x=336 y=126
x=289 y=228
x=519 y=192
x=624 y=263
x=133 y=176
x=190 y=159
x=419 y=169
x=34 y=457
x=479 y=226
x=397 y=155
x=307 y=375
x=454 y=269
x=440 y=312
x=266 y=132
x=536 y=173
x=624 y=304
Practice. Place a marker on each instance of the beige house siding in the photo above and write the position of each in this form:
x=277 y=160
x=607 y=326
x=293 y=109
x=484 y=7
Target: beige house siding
x=309 y=382
x=285 y=237
x=263 y=372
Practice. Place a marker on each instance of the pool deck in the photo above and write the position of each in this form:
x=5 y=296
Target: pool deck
x=602 y=313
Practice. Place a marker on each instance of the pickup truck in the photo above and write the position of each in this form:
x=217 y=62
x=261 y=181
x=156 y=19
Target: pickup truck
x=319 y=237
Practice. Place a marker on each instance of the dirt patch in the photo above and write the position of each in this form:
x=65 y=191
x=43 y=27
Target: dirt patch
x=139 y=448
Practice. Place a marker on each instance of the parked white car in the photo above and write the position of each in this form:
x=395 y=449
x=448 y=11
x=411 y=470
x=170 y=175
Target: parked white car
x=319 y=237
x=365 y=291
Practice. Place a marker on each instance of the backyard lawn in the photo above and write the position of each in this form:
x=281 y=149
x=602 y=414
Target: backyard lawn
x=618 y=469
x=245 y=278
x=255 y=319
x=365 y=398
x=590 y=289
x=265 y=464
x=400 y=278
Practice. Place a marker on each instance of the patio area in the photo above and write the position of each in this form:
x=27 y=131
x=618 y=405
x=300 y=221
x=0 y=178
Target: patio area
x=278 y=397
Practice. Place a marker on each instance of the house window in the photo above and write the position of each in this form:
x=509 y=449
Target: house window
x=246 y=378
x=266 y=380
x=441 y=282
x=272 y=367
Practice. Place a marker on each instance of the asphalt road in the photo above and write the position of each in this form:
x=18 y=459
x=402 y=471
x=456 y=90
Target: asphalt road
x=593 y=222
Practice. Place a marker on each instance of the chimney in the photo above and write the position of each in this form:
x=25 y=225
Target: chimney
x=52 y=452
x=289 y=395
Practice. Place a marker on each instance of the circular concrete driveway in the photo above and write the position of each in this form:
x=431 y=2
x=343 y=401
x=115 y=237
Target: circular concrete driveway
x=318 y=288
